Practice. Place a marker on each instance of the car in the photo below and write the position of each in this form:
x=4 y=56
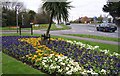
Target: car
x=106 y=27
x=67 y=23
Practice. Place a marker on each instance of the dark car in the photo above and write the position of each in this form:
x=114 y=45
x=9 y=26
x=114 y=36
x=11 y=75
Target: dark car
x=67 y=23
x=107 y=27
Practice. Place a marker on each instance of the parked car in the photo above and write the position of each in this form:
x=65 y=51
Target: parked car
x=106 y=27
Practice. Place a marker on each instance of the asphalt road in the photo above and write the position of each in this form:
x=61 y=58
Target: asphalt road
x=86 y=29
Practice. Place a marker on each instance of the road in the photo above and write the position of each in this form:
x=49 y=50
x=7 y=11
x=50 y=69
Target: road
x=82 y=29
x=78 y=29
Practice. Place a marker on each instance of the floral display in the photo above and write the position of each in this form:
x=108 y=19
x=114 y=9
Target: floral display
x=62 y=57
x=15 y=48
x=101 y=61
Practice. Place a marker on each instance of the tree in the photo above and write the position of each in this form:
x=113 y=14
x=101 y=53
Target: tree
x=114 y=10
x=31 y=15
x=100 y=18
x=9 y=13
x=56 y=9
x=42 y=17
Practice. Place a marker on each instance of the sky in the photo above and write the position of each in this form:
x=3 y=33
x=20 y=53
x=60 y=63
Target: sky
x=90 y=8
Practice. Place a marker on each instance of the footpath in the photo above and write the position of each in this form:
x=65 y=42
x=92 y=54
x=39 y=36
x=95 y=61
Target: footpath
x=89 y=39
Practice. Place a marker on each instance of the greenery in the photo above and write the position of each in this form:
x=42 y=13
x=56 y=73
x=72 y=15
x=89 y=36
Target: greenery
x=96 y=37
x=23 y=68
x=40 y=26
x=113 y=8
x=9 y=15
x=0 y=63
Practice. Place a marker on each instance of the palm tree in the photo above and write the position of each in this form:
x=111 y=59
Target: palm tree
x=57 y=10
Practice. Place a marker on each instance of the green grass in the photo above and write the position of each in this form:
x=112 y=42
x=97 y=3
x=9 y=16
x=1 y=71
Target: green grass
x=41 y=26
x=96 y=37
x=17 y=34
x=53 y=27
x=13 y=66
x=0 y=63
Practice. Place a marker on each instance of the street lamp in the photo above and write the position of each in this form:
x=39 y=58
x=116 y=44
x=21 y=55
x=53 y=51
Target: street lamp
x=17 y=8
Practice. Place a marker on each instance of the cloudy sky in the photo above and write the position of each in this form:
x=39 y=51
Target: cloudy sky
x=81 y=8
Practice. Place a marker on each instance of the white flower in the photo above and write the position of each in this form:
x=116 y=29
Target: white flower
x=84 y=74
x=60 y=70
x=103 y=71
x=75 y=69
x=105 y=51
x=68 y=65
x=90 y=71
x=60 y=60
x=116 y=54
x=62 y=63
x=44 y=60
x=69 y=73
x=43 y=63
x=94 y=74
x=96 y=47
x=56 y=59
x=57 y=67
x=67 y=68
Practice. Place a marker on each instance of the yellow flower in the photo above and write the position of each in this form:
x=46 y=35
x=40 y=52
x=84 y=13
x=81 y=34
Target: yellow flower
x=45 y=55
x=39 y=46
x=39 y=51
x=27 y=55
x=39 y=54
x=61 y=54
x=57 y=55
x=35 y=56
x=38 y=60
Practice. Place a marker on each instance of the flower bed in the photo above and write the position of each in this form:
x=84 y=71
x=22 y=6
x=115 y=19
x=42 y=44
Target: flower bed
x=62 y=57
x=100 y=61
x=15 y=48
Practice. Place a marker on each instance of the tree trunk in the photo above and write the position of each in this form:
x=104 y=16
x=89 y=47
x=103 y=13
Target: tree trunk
x=48 y=30
x=58 y=21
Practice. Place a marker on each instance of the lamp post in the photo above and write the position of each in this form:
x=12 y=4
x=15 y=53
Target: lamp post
x=17 y=8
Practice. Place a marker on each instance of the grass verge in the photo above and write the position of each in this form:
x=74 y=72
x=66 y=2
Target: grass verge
x=0 y=63
x=13 y=66
x=41 y=26
x=95 y=37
